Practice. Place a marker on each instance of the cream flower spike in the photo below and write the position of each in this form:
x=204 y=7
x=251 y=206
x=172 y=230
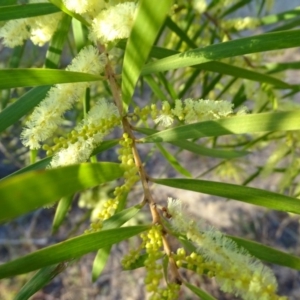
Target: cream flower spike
x=113 y=23
x=46 y=117
x=90 y=7
x=39 y=29
x=81 y=150
x=238 y=272
x=14 y=32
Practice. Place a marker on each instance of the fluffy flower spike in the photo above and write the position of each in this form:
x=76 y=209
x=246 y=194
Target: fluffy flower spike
x=235 y=269
x=113 y=23
x=46 y=117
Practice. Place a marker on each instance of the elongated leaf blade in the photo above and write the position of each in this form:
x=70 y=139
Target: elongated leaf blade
x=100 y=261
x=10 y=78
x=268 y=254
x=238 y=72
x=198 y=149
x=61 y=211
x=241 y=193
x=43 y=163
x=271 y=121
x=259 y=43
x=57 y=42
x=173 y=161
x=39 y=280
x=150 y=16
x=68 y=250
x=25 y=11
x=28 y=191
x=199 y=292
x=22 y=106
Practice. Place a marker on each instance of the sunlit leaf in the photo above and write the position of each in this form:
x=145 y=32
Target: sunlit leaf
x=271 y=121
x=149 y=18
x=25 y=192
x=25 y=11
x=68 y=250
x=253 y=44
x=32 y=77
x=231 y=191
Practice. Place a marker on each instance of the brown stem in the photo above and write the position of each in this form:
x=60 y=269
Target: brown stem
x=156 y=218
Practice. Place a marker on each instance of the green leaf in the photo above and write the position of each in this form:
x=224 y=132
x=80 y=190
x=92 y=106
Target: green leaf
x=244 y=124
x=23 y=193
x=25 y=11
x=43 y=163
x=99 y=262
x=105 y=145
x=222 y=68
x=22 y=106
x=286 y=15
x=78 y=33
x=122 y=217
x=231 y=191
x=238 y=72
x=253 y=44
x=198 y=149
x=40 y=165
x=173 y=161
x=155 y=87
x=279 y=67
x=197 y=291
x=68 y=250
x=57 y=42
x=10 y=78
x=149 y=18
x=39 y=280
x=61 y=211
x=268 y=254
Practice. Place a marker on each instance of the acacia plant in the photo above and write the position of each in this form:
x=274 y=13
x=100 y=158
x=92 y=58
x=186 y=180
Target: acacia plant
x=210 y=91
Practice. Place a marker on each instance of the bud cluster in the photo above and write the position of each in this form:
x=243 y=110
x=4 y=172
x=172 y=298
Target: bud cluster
x=130 y=178
x=153 y=244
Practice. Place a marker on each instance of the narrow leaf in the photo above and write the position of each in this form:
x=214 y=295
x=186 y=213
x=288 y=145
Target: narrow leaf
x=57 y=42
x=149 y=18
x=231 y=191
x=25 y=11
x=238 y=72
x=198 y=149
x=270 y=121
x=173 y=161
x=259 y=43
x=39 y=280
x=269 y=254
x=197 y=291
x=28 y=191
x=99 y=262
x=22 y=106
x=10 y=78
x=68 y=250
x=61 y=211
x=43 y=163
